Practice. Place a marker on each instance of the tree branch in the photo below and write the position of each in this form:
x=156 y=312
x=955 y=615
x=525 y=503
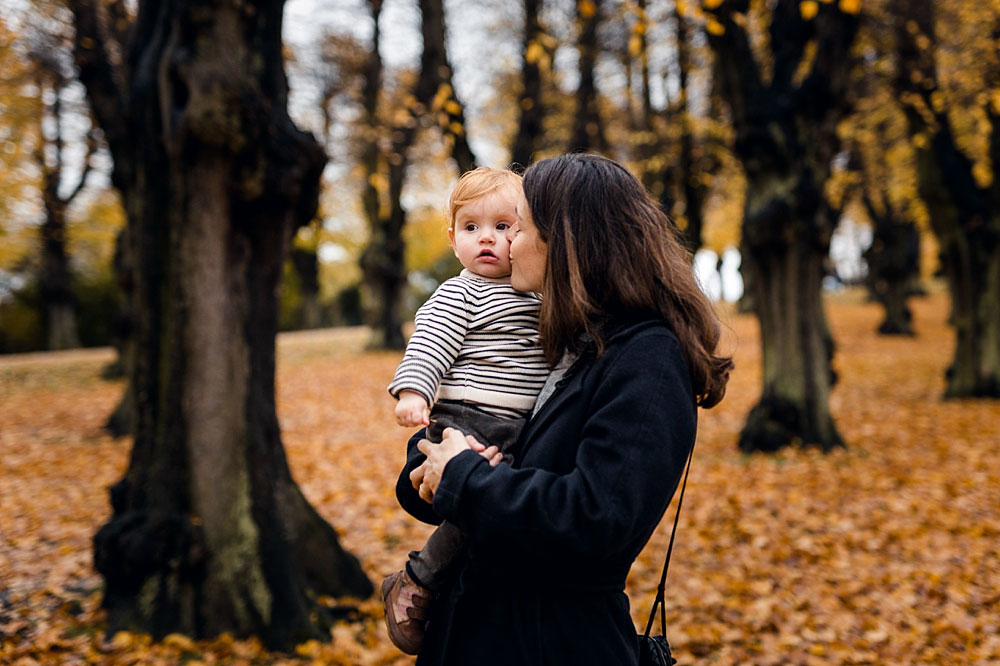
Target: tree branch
x=87 y=168
x=789 y=35
x=739 y=77
x=435 y=73
x=98 y=75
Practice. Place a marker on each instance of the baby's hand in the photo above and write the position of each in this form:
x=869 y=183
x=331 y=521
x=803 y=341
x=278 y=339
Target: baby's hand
x=411 y=410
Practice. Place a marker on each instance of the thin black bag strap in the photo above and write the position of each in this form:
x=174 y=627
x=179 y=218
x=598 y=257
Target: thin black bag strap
x=660 y=590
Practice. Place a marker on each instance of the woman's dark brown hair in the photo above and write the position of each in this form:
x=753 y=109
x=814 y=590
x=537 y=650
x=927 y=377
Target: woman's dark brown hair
x=612 y=253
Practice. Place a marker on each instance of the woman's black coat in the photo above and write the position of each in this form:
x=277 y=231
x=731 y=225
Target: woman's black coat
x=551 y=538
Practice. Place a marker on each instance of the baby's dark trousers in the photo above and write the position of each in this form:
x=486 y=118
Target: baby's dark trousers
x=429 y=566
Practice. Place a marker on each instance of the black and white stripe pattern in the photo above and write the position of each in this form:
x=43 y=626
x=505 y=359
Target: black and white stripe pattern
x=476 y=341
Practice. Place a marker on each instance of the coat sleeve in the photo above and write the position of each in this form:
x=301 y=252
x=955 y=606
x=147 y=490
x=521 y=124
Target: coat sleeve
x=407 y=496
x=634 y=443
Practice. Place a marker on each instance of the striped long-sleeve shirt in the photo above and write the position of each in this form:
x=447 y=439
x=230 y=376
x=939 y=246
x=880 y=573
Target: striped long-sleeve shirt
x=475 y=341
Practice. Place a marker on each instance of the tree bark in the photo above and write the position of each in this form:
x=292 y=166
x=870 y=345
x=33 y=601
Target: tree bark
x=529 y=102
x=588 y=129
x=964 y=216
x=55 y=280
x=209 y=533
x=121 y=421
x=676 y=160
x=383 y=260
x=436 y=87
x=786 y=274
x=786 y=138
x=893 y=267
x=306 y=265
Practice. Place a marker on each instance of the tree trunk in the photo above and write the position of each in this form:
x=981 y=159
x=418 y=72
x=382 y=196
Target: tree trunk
x=786 y=272
x=971 y=261
x=786 y=137
x=588 y=130
x=965 y=217
x=209 y=533
x=54 y=279
x=436 y=88
x=383 y=261
x=55 y=282
x=121 y=421
x=693 y=189
x=893 y=266
x=529 y=101
x=306 y=265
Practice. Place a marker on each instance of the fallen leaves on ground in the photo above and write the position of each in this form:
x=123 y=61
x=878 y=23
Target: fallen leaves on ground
x=887 y=552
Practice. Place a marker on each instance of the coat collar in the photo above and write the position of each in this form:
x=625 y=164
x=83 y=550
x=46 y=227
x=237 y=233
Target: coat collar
x=571 y=384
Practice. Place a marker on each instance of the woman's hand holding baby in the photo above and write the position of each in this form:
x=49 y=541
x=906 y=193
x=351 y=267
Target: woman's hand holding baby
x=411 y=410
x=427 y=476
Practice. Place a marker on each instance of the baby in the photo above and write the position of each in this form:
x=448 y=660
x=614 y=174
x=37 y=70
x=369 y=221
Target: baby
x=475 y=349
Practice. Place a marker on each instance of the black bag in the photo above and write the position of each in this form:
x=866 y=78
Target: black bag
x=655 y=650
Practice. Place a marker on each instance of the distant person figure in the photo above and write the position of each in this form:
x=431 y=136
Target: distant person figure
x=551 y=538
x=475 y=349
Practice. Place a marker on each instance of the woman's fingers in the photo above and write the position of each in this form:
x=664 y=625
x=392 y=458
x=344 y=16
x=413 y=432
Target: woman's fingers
x=417 y=476
x=474 y=444
x=492 y=454
x=424 y=446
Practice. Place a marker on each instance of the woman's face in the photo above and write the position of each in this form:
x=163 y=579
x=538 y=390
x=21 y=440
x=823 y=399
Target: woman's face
x=528 y=251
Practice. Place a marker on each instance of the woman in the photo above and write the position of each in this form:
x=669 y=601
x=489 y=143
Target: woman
x=633 y=340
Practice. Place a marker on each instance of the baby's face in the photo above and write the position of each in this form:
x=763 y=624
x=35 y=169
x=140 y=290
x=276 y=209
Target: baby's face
x=479 y=236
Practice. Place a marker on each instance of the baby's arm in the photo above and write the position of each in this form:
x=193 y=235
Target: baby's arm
x=411 y=410
x=441 y=325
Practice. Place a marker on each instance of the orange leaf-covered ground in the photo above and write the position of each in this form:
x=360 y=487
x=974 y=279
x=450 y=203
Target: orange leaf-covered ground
x=885 y=553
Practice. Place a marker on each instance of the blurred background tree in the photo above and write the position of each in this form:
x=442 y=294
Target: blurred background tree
x=786 y=98
x=948 y=59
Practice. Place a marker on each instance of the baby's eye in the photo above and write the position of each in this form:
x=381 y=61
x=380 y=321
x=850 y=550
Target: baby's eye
x=503 y=226
x=470 y=227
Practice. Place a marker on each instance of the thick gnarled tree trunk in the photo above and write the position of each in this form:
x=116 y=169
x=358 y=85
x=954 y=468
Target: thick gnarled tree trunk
x=786 y=273
x=209 y=532
x=965 y=216
x=785 y=126
x=972 y=265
